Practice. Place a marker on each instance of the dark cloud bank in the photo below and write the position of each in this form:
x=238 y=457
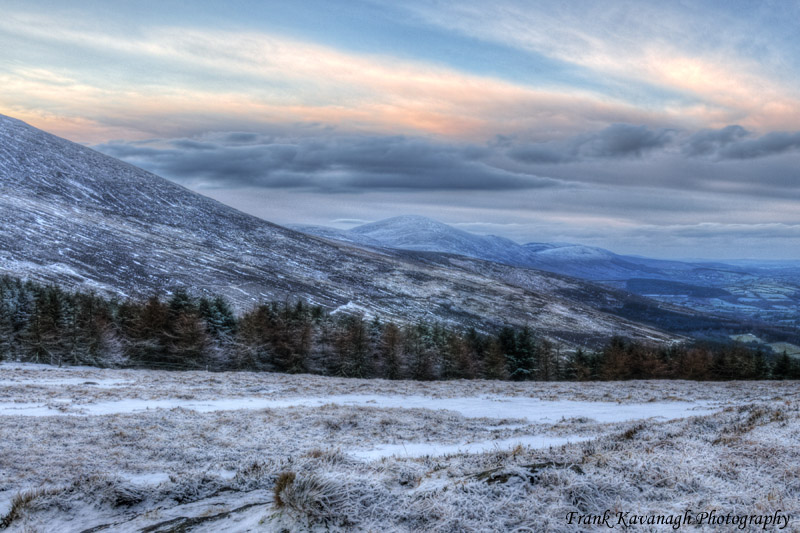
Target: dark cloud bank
x=331 y=162
x=328 y=163
x=616 y=141
x=626 y=141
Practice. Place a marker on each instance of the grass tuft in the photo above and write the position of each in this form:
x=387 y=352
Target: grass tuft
x=282 y=484
x=21 y=502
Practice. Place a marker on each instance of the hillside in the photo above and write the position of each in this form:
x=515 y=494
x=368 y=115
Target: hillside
x=75 y=217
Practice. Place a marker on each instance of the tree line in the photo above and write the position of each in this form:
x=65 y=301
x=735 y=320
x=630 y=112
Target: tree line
x=46 y=324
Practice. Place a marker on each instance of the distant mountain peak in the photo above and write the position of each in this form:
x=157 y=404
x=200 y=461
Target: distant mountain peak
x=404 y=221
x=418 y=233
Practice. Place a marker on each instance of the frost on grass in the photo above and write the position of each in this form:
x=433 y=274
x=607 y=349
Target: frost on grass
x=318 y=467
x=728 y=461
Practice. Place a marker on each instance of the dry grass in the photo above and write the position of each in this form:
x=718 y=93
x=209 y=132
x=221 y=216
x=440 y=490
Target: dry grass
x=23 y=501
x=742 y=458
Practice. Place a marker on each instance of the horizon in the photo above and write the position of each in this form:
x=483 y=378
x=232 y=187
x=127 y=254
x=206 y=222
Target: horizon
x=348 y=224
x=345 y=226
x=665 y=131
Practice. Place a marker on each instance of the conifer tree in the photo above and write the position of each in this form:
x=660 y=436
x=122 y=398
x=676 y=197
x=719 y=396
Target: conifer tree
x=353 y=348
x=496 y=361
x=578 y=366
x=391 y=352
x=420 y=347
x=783 y=367
x=44 y=334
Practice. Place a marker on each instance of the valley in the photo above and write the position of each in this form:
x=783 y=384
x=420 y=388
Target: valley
x=743 y=295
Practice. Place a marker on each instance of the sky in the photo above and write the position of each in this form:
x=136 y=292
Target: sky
x=663 y=129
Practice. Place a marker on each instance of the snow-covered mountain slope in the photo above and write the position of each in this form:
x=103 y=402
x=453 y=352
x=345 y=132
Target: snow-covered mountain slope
x=335 y=234
x=418 y=233
x=75 y=217
x=410 y=232
x=586 y=262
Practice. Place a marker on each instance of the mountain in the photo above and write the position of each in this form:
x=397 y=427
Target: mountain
x=335 y=234
x=767 y=292
x=72 y=216
x=410 y=232
x=588 y=262
x=418 y=233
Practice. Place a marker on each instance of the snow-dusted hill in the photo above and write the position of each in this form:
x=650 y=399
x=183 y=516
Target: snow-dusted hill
x=410 y=232
x=336 y=235
x=418 y=233
x=75 y=217
x=588 y=262
x=768 y=293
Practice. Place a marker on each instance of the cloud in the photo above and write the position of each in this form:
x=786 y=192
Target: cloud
x=202 y=79
x=735 y=142
x=616 y=141
x=769 y=144
x=331 y=163
x=755 y=231
x=624 y=140
x=197 y=78
x=723 y=161
x=241 y=137
x=632 y=141
x=714 y=65
x=707 y=142
x=542 y=153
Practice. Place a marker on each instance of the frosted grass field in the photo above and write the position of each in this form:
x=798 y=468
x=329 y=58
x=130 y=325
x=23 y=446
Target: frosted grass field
x=86 y=449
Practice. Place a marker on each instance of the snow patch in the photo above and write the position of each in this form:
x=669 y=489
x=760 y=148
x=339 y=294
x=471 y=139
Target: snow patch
x=531 y=409
x=434 y=449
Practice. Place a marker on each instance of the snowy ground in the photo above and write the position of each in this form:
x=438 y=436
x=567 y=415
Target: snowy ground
x=85 y=449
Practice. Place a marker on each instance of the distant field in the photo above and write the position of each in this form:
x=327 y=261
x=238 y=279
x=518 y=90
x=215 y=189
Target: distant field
x=747 y=337
x=87 y=449
x=790 y=349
